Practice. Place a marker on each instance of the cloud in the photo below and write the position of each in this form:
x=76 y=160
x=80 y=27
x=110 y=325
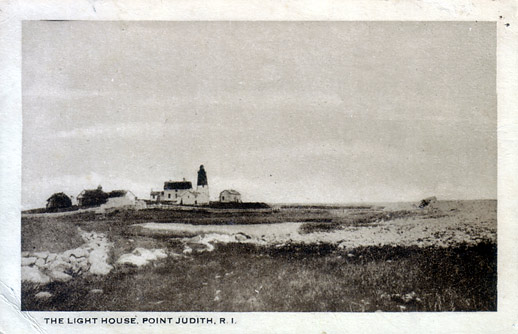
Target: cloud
x=56 y=92
x=125 y=130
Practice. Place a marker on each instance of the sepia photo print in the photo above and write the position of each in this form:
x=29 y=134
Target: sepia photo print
x=259 y=166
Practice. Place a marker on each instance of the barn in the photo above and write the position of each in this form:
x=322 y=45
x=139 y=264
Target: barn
x=92 y=197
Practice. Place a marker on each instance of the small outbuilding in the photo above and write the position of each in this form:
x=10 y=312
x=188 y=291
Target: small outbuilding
x=230 y=196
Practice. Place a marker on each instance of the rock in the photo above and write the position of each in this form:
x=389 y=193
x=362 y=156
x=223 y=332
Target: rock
x=27 y=261
x=33 y=274
x=173 y=254
x=79 y=265
x=160 y=253
x=43 y=295
x=150 y=254
x=40 y=262
x=52 y=257
x=59 y=265
x=132 y=259
x=60 y=258
x=83 y=262
x=427 y=202
x=98 y=260
x=242 y=237
x=77 y=252
x=199 y=247
x=187 y=250
x=100 y=269
x=42 y=255
x=60 y=276
x=96 y=291
x=25 y=254
x=142 y=256
x=208 y=245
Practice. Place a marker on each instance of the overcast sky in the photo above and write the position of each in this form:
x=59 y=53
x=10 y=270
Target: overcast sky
x=280 y=111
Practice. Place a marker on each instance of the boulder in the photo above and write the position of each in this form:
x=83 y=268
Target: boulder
x=77 y=252
x=150 y=254
x=142 y=256
x=160 y=253
x=242 y=237
x=58 y=275
x=132 y=259
x=59 y=265
x=427 y=202
x=79 y=264
x=52 y=257
x=43 y=295
x=98 y=260
x=208 y=247
x=42 y=255
x=40 y=262
x=27 y=261
x=33 y=274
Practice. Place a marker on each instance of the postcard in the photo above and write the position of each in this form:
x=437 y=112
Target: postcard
x=222 y=167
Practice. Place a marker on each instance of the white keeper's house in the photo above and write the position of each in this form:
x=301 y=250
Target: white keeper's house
x=182 y=192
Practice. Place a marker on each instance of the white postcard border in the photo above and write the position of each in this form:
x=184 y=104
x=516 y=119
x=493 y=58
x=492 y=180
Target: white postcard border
x=503 y=13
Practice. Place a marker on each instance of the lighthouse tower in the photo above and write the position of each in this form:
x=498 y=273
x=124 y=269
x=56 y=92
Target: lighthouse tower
x=202 y=187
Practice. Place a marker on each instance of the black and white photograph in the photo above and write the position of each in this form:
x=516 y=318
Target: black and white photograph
x=259 y=166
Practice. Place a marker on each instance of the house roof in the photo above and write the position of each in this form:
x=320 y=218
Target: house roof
x=111 y=194
x=230 y=191
x=117 y=193
x=189 y=192
x=90 y=192
x=177 y=185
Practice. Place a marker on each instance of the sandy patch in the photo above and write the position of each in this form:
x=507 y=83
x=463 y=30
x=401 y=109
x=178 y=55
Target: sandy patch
x=442 y=232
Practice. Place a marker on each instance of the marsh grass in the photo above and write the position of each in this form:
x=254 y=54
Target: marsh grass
x=297 y=278
x=45 y=234
x=244 y=277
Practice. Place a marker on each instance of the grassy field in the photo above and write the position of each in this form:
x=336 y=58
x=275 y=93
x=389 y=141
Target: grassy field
x=283 y=277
